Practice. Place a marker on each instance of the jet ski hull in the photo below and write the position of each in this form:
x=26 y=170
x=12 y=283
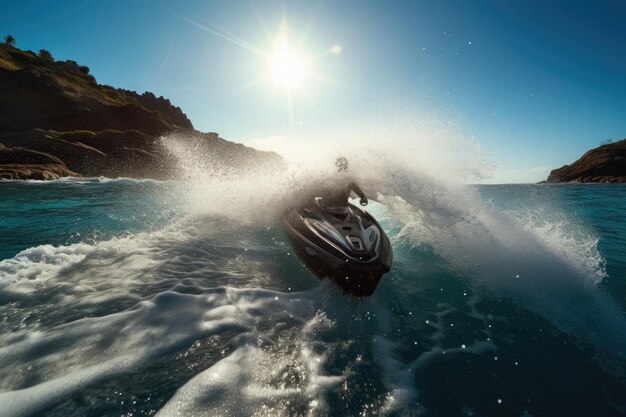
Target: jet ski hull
x=350 y=249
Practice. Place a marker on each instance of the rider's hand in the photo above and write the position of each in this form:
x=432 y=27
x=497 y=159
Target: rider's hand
x=364 y=201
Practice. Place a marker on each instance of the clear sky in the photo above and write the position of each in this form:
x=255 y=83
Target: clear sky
x=535 y=83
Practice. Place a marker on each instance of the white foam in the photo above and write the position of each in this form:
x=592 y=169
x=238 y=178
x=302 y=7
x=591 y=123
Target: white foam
x=88 y=180
x=49 y=359
x=73 y=355
x=31 y=401
x=551 y=270
x=254 y=381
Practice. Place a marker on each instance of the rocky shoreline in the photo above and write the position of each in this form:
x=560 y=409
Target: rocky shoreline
x=22 y=163
x=57 y=121
x=604 y=164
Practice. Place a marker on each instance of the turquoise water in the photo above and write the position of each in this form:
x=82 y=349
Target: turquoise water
x=122 y=297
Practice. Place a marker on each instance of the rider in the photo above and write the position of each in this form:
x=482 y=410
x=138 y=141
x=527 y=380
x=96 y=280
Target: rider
x=339 y=192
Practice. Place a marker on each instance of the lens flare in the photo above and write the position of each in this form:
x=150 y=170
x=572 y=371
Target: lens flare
x=335 y=49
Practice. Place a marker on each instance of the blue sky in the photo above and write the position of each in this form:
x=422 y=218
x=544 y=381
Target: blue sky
x=535 y=83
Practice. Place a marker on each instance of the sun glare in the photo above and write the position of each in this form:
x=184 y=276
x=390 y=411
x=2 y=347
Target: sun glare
x=287 y=69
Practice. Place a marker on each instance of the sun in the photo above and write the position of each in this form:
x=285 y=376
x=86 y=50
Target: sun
x=286 y=68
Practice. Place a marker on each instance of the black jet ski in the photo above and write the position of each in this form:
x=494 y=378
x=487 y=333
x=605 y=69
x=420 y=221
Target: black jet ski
x=343 y=243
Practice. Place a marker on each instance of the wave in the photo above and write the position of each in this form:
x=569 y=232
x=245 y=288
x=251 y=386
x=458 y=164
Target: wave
x=107 y=309
x=82 y=353
x=543 y=260
x=220 y=291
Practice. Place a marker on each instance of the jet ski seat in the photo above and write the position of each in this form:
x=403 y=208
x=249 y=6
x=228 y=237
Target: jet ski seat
x=337 y=210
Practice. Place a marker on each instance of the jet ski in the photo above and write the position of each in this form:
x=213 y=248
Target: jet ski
x=341 y=242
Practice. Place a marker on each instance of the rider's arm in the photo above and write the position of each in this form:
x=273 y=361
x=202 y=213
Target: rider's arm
x=359 y=192
x=356 y=189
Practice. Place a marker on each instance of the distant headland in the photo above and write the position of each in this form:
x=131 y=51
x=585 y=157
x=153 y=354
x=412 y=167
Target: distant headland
x=604 y=164
x=57 y=121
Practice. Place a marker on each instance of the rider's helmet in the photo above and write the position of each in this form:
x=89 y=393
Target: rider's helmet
x=341 y=163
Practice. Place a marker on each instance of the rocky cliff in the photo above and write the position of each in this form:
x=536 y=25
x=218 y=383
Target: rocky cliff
x=604 y=164
x=56 y=120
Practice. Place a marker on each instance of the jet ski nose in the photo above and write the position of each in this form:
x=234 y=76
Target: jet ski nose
x=341 y=242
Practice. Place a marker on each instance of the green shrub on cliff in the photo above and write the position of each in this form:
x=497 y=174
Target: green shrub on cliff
x=73 y=135
x=9 y=40
x=45 y=55
x=23 y=57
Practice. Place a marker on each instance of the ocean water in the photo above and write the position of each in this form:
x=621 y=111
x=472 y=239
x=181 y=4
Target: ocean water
x=137 y=298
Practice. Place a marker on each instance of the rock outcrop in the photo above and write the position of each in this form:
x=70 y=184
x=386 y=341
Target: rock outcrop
x=20 y=163
x=605 y=164
x=56 y=108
